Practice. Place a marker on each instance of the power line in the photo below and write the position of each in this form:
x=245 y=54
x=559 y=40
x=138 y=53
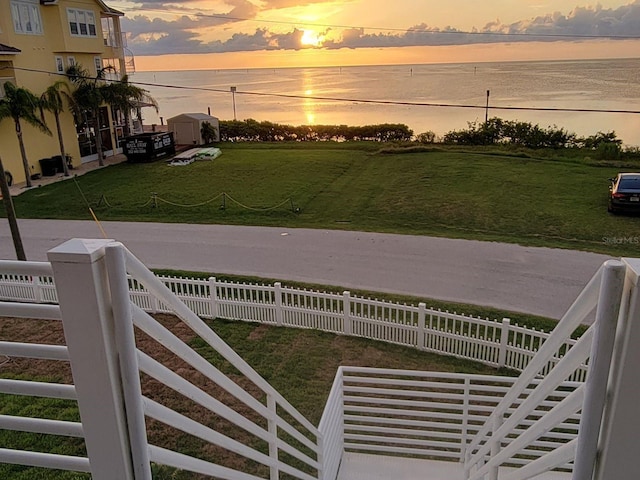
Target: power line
x=426 y=31
x=354 y=100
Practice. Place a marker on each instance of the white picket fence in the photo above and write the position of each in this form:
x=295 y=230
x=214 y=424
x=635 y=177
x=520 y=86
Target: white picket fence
x=492 y=342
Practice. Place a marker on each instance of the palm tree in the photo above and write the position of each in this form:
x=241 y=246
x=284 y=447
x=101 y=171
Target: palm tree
x=88 y=96
x=126 y=97
x=21 y=104
x=209 y=132
x=11 y=214
x=51 y=100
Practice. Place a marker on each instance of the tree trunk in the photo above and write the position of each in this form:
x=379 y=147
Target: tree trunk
x=96 y=123
x=65 y=168
x=11 y=214
x=23 y=153
x=127 y=119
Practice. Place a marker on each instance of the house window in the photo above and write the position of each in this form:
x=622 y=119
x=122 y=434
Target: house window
x=26 y=17
x=71 y=61
x=59 y=64
x=82 y=23
x=98 y=63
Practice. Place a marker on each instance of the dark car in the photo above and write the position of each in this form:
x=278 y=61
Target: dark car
x=624 y=193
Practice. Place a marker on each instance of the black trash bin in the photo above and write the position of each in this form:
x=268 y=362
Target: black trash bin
x=57 y=159
x=48 y=167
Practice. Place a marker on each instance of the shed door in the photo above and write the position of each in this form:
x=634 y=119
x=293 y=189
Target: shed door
x=184 y=133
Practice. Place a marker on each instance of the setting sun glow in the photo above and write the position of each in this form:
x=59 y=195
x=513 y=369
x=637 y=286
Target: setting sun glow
x=311 y=38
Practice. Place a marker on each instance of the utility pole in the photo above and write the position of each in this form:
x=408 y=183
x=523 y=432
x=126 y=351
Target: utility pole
x=486 y=111
x=233 y=94
x=11 y=214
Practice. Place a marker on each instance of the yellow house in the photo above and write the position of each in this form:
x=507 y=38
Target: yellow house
x=39 y=39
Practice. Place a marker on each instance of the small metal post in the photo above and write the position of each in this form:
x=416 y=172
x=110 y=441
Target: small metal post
x=486 y=112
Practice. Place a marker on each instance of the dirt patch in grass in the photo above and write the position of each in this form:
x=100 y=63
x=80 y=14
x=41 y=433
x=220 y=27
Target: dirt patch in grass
x=48 y=332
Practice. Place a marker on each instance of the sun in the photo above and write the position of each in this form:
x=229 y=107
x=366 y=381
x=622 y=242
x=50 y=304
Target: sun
x=311 y=38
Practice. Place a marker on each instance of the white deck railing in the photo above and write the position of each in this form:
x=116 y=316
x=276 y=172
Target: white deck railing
x=536 y=422
x=495 y=343
x=32 y=388
x=286 y=434
x=432 y=415
x=497 y=441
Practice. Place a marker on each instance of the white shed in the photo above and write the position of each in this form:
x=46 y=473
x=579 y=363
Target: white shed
x=186 y=128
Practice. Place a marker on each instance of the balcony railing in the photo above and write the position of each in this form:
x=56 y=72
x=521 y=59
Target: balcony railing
x=116 y=41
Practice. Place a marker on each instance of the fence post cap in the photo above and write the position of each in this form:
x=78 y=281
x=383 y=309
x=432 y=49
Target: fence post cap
x=79 y=250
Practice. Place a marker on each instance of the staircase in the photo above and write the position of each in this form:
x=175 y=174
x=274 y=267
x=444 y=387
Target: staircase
x=377 y=423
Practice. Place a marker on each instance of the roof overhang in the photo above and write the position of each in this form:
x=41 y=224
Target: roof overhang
x=109 y=10
x=7 y=50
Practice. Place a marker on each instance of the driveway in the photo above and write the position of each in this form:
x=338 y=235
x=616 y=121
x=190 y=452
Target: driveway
x=541 y=281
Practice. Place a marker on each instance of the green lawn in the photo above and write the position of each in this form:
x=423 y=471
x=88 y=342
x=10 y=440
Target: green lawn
x=480 y=194
x=301 y=364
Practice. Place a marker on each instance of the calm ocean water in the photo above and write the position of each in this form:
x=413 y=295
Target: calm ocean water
x=590 y=84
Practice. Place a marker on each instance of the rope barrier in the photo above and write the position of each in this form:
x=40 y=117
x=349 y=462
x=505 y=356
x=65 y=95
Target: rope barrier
x=154 y=200
x=187 y=206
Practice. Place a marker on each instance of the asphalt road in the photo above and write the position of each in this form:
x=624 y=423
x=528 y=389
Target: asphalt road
x=541 y=281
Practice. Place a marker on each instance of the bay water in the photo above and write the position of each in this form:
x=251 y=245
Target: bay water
x=290 y=95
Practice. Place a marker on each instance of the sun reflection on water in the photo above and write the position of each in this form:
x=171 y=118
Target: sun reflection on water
x=309 y=105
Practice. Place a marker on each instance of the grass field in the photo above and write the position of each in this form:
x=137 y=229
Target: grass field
x=480 y=194
x=300 y=364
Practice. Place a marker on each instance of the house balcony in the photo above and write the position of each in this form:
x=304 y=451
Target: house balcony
x=113 y=40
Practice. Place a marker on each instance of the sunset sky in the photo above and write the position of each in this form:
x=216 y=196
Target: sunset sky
x=189 y=34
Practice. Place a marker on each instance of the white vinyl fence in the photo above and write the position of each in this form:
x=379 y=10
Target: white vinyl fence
x=495 y=343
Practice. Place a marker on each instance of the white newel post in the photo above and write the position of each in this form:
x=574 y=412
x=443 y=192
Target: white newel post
x=213 y=298
x=81 y=283
x=422 y=318
x=346 y=311
x=277 y=292
x=504 y=342
x=464 y=456
x=496 y=445
x=607 y=314
x=619 y=443
x=274 y=471
x=37 y=289
x=125 y=342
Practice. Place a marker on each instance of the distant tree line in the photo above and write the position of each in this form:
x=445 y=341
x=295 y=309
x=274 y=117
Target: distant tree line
x=253 y=131
x=497 y=131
